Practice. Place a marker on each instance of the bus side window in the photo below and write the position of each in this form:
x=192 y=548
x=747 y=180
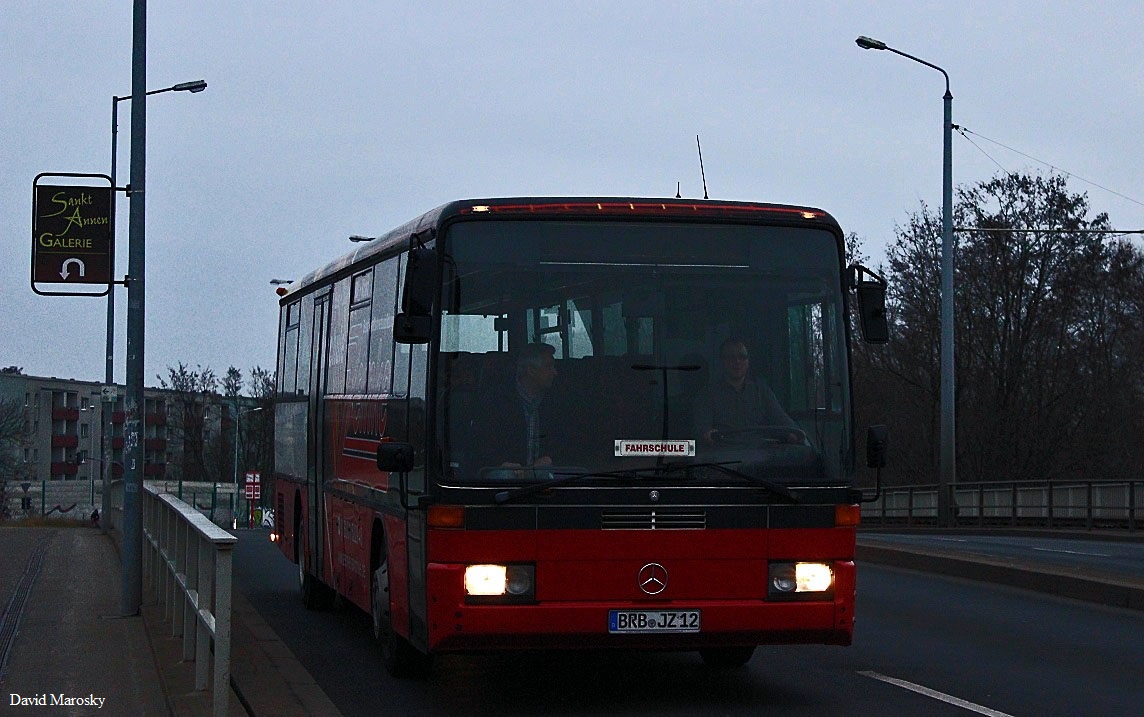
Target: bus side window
x=380 y=378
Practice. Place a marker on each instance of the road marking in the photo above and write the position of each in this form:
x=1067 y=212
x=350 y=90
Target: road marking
x=1073 y=552
x=934 y=694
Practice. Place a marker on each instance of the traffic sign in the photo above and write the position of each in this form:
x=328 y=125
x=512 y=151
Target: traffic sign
x=72 y=235
x=254 y=486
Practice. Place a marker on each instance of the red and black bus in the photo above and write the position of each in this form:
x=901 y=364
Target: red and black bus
x=399 y=374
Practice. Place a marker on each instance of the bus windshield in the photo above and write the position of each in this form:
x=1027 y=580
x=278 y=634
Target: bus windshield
x=619 y=347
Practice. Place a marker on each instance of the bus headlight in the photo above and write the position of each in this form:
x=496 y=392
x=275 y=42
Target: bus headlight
x=500 y=583
x=800 y=580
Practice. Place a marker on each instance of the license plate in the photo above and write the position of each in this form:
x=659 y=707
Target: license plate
x=645 y=621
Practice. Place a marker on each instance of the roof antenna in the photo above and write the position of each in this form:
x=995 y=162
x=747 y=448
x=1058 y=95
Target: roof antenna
x=701 y=174
x=677 y=194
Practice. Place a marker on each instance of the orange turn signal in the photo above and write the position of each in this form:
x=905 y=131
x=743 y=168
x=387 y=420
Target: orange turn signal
x=446 y=516
x=845 y=515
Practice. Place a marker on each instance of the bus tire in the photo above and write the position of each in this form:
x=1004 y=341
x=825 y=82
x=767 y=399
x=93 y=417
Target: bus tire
x=315 y=595
x=400 y=658
x=727 y=656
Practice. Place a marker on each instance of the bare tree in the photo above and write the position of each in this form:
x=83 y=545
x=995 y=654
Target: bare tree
x=1048 y=334
x=194 y=392
x=211 y=456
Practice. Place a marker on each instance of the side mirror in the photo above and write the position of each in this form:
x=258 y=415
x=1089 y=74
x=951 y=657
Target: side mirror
x=871 y=304
x=395 y=457
x=412 y=329
x=877 y=438
x=414 y=324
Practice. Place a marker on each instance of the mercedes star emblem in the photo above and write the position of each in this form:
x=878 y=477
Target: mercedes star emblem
x=653 y=578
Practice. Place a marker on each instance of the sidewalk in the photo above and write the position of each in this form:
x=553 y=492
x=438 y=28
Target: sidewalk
x=62 y=635
x=65 y=639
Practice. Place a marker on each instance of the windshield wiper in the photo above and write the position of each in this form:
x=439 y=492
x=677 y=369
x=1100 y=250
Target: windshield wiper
x=663 y=470
x=777 y=488
x=564 y=478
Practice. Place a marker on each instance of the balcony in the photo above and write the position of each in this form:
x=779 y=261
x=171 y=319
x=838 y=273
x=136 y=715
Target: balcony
x=155 y=470
x=155 y=419
x=65 y=441
x=63 y=413
x=64 y=468
x=118 y=417
x=155 y=444
x=116 y=470
x=117 y=442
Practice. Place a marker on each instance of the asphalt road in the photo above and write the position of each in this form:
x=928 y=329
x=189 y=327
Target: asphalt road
x=924 y=645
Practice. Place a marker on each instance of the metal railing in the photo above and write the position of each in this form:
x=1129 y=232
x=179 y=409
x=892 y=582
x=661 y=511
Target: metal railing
x=187 y=559
x=1087 y=504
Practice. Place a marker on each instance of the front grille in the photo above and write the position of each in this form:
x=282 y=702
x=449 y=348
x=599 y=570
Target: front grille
x=654 y=519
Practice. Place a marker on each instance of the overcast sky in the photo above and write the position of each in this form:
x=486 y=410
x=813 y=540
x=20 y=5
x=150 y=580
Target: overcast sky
x=326 y=119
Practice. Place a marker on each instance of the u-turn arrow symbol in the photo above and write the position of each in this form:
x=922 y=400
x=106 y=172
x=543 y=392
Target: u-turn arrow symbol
x=64 y=269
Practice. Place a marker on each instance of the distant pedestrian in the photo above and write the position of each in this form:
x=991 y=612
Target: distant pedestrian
x=95 y=518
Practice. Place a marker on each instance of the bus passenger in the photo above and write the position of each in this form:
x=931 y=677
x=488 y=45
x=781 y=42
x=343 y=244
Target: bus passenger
x=513 y=430
x=737 y=400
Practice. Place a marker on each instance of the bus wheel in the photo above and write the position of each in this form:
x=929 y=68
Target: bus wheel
x=727 y=656
x=400 y=658
x=315 y=595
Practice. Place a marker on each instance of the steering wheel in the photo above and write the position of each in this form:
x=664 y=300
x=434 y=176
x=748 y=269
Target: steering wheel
x=753 y=435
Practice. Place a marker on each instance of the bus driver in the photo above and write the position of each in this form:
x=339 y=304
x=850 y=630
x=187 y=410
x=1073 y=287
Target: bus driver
x=737 y=400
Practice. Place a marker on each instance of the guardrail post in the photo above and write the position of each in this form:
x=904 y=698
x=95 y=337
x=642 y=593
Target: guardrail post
x=1132 y=505
x=1088 y=515
x=1049 y=490
x=204 y=588
x=1013 y=506
x=222 y=615
x=194 y=595
x=981 y=504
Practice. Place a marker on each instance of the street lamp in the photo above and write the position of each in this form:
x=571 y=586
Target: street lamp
x=192 y=87
x=234 y=497
x=947 y=472
x=132 y=530
x=360 y=238
x=281 y=284
x=90 y=451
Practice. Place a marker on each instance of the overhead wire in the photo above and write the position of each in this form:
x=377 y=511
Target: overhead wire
x=963 y=130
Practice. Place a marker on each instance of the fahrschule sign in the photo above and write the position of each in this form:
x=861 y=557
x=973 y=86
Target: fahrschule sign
x=72 y=235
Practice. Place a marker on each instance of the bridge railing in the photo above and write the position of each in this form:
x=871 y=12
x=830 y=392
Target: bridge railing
x=187 y=559
x=1087 y=504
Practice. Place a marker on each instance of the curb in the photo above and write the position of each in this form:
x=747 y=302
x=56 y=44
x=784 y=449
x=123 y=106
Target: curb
x=266 y=676
x=1104 y=591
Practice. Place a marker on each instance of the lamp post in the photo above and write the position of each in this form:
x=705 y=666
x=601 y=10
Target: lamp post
x=90 y=451
x=238 y=414
x=359 y=238
x=947 y=472
x=132 y=558
x=193 y=87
